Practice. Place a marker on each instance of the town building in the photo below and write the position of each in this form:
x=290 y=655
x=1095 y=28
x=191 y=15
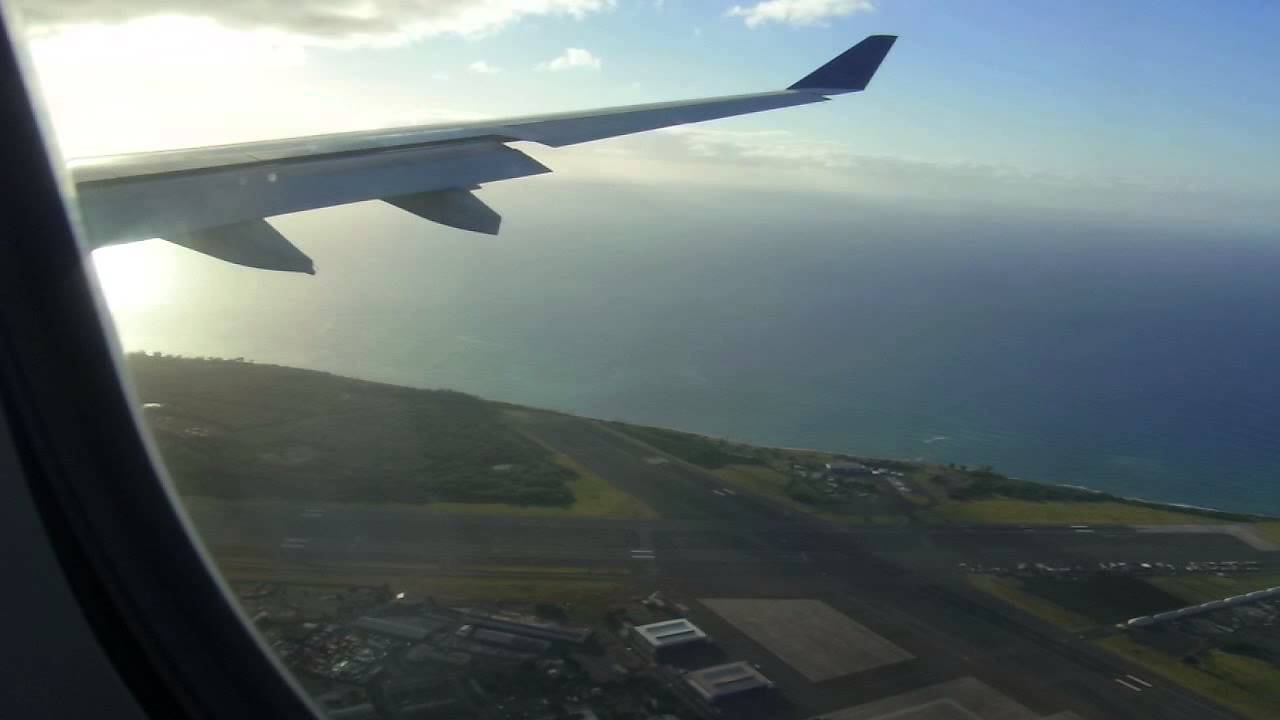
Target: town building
x=656 y=637
x=847 y=468
x=510 y=641
x=722 y=681
x=414 y=629
x=530 y=627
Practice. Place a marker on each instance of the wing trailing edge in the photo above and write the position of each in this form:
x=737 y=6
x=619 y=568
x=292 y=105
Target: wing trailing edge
x=215 y=199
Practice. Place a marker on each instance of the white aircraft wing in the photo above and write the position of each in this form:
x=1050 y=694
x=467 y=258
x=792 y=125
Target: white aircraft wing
x=216 y=199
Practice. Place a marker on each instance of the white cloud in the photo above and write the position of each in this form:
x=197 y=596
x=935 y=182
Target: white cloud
x=779 y=161
x=798 y=12
x=483 y=68
x=166 y=82
x=572 y=58
x=342 y=22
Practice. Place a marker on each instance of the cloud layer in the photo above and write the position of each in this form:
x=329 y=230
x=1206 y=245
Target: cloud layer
x=785 y=163
x=798 y=12
x=483 y=68
x=335 y=21
x=572 y=58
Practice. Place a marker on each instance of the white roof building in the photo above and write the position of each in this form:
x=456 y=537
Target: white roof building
x=721 y=681
x=668 y=633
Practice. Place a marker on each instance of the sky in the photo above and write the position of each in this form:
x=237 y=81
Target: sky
x=1035 y=148
x=1143 y=111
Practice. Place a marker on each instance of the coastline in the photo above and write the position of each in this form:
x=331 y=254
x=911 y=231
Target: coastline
x=750 y=448
x=1136 y=500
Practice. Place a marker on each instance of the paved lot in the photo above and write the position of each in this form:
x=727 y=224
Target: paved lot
x=713 y=546
x=809 y=635
x=962 y=699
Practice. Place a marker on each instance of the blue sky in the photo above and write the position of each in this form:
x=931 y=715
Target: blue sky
x=1089 y=99
x=999 y=140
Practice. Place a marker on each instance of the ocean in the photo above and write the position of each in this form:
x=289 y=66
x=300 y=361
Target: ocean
x=1138 y=358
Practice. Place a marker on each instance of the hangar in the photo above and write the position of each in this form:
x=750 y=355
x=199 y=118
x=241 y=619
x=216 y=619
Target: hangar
x=722 y=681
x=656 y=637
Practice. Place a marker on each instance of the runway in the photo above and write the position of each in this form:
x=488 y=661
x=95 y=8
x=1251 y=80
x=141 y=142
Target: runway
x=713 y=545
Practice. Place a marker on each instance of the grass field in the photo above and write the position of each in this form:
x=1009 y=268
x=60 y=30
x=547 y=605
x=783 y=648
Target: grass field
x=760 y=480
x=700 y=450
x=767 y=482
x=1056 y=513
x=524 y=584
x=1248 y=686
x=1203 y=588
x=1011 y=591
x=1102 y=597
x=1269 y=530
x=593 y=497
x=237 y=430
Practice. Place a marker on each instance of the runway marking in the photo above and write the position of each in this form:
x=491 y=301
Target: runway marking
x=1135 y=678
x=1127 y=684
x=294 y=543
x=642 y=555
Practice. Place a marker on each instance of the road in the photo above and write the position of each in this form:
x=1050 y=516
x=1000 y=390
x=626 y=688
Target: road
x=713 y=544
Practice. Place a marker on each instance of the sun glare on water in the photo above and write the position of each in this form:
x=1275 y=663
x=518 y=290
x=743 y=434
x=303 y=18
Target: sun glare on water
x=134 y=276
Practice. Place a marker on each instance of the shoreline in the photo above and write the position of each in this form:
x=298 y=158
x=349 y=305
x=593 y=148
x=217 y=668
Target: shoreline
x=1160 y=504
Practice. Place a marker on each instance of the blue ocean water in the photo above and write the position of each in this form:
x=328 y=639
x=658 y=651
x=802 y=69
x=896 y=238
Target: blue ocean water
x=1133 y=357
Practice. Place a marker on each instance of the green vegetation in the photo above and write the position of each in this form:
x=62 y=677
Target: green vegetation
x=984 y=484
x=949 y=494
x=594 y=496
x=421 y=582
x=1203 y=587
x=775 y=485
x=1055 y=513
x=803 y=491
x=700 y=450
x=1103 y=597
x=1064 y=504
x=1246 y=685
x=1269 y=530
x=237 y=430
x=1011 y=591
x=760 y=480
x=555 y=590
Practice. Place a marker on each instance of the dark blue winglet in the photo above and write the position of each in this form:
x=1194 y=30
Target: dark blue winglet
x=852 y=69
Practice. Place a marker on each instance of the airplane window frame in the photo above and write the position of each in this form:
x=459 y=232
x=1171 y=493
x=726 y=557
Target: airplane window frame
x=147 y=588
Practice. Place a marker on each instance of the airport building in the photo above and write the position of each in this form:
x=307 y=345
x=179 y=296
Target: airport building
x=659 y=636
x=414 y=629
x=510 y=641
x=1186 y=612
x=845 y=467
x=530 y=627
x=722 y=681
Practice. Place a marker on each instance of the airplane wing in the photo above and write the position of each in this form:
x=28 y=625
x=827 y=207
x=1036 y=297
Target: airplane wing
x=216 y=199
